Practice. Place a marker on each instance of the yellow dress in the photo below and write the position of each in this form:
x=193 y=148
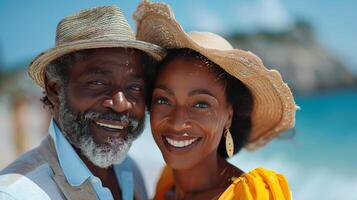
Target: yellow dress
x=258 y=184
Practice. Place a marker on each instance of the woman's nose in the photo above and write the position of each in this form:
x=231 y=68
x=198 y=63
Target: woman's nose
x=118 y=102
x=179 y=119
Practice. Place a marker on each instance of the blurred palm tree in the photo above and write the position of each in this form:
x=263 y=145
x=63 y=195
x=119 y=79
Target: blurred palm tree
x=20 y=92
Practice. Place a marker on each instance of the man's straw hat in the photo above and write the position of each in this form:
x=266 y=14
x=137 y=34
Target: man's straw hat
x=100 y=27
x=274 y=107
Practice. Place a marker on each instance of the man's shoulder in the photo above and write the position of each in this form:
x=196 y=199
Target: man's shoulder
x=32 y=159
x=21 y=186
x=26 y=163
x=30 y=175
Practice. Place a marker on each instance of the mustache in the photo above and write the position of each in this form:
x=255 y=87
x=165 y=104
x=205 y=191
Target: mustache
x=125 y=118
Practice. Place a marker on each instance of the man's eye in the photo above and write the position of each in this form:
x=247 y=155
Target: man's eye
x=201 y=104
x=162 y=101
x=96 y=83
x=136 y=88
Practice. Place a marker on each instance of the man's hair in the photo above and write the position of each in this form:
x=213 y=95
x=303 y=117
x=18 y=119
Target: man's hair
x=58 y=70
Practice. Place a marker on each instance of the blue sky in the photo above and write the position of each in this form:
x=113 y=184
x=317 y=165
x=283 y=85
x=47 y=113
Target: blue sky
x=28 y=27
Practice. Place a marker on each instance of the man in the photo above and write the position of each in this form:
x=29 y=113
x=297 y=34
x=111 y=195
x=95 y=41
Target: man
x=95 y=83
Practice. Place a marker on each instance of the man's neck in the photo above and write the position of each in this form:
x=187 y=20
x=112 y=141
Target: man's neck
x=106 y=175
x=101 y=173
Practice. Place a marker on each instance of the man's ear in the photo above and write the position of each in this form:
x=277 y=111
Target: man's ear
x=230 y=117
x=52 y=91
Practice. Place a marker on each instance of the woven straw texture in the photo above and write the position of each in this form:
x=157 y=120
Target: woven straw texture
x=100 y=27
x=274 y=107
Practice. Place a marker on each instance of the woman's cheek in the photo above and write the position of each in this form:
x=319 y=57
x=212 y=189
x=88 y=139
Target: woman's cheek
x=157 y=117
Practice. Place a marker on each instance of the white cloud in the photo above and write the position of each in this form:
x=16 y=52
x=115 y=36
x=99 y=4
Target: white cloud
x=206 y=19
x=263 y=14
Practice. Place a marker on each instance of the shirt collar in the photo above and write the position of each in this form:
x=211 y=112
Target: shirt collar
x=77 y=172
x=73 y=167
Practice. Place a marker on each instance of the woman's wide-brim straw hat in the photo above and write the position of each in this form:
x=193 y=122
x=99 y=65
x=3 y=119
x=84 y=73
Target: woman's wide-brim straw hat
x=274 y=107
x=100 y=27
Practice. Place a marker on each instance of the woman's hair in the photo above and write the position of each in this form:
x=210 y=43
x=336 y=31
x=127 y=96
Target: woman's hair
x=238 y=95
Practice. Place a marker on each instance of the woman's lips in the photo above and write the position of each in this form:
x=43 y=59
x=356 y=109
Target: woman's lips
x=180 y=143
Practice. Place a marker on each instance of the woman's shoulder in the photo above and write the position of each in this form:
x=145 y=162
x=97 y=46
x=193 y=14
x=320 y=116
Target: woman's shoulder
x=259 y=183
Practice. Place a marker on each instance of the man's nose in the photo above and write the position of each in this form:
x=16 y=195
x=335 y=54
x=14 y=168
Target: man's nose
x=118 y=102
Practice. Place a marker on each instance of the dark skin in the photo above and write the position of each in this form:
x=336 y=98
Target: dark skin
x=108 y=79
x=190 y=104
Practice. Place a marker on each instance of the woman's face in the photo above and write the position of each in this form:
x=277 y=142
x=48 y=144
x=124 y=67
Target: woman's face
x=189 y=112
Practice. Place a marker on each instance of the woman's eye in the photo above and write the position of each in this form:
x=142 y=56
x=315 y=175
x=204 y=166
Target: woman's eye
x=201 y=104
x=162 y=101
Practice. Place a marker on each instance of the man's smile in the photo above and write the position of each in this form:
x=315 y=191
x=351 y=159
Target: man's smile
x=112 y=126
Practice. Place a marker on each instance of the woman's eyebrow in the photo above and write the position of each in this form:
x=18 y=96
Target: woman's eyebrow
x=201 y=91
x=168 y=90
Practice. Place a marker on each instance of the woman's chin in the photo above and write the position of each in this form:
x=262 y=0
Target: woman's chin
x=180 y=163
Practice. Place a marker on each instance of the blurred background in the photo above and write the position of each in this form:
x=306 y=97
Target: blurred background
x=312 y=44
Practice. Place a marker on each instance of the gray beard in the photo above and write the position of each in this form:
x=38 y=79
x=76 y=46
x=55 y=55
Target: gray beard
x=76 y=128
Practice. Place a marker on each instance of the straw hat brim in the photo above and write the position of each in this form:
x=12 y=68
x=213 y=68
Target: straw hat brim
x=39 y=63
x=274 y=107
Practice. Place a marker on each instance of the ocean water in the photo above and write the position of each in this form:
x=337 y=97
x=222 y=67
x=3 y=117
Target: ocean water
x=318 y=157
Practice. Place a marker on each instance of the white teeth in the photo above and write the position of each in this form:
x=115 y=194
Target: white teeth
x=180 y=143
x=110 y=125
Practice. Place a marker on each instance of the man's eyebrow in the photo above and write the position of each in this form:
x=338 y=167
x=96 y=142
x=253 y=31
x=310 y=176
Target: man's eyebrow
x=201 y=91
x=97 y=71
x=136 y=75
x=168 y=90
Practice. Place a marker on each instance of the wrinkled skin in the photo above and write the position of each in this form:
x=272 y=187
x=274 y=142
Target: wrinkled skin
x=107 y=88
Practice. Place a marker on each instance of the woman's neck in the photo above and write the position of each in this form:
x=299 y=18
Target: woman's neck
x=205 y=176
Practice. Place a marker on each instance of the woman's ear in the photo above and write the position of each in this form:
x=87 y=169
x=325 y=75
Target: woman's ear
x=230 y=117
x=52 y=91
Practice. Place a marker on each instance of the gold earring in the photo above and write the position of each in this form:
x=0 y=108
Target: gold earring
x=229 y=142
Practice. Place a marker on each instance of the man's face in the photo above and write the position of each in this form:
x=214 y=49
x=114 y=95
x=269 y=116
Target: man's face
x=102 y=106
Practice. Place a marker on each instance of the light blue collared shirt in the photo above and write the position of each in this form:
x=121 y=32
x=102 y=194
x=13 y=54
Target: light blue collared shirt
x=77 y=172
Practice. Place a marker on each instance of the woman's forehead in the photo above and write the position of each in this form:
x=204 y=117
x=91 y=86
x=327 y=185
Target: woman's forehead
x=189 y=74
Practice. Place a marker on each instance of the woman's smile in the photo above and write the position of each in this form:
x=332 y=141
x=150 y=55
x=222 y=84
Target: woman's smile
x=180 y=142
x=188 y=113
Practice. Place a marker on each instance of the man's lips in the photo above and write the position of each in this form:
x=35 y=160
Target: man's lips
x=119 y=127
x=110 y=129
x=114 y=125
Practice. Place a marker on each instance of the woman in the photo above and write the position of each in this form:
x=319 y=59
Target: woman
x=210 y=100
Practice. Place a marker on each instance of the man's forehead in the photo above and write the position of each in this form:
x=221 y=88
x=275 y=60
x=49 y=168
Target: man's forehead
x=107 y=61
x=103 y=70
